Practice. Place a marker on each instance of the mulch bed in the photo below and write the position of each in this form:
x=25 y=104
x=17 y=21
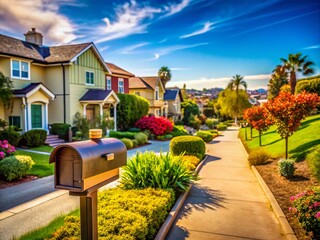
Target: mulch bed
x=4 y=184
x=283 y=189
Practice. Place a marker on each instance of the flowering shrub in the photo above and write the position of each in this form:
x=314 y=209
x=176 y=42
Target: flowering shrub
x=306 y=207
x=156 y=125
x=6 y=149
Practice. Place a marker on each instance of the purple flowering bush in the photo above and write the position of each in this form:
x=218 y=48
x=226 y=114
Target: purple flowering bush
x=306 y=207
x=6 y=149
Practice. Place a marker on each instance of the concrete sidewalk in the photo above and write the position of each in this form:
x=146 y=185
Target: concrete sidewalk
x=35 y=204
x=227 y=202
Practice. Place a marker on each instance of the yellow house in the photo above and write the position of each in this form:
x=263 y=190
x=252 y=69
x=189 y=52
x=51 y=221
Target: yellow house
x=150 y=88
x=51 y=84
x=173 y=97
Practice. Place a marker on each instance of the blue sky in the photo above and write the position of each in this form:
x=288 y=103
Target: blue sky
x=204 y=42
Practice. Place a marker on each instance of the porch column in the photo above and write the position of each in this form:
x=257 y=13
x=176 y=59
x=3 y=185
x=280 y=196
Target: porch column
x=46 y=117
x=85 y=109
x=101 y=109
x=25 y=113
x=29 y=116
x=115 y=116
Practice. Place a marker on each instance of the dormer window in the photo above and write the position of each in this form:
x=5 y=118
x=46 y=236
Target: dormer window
x=20 y=69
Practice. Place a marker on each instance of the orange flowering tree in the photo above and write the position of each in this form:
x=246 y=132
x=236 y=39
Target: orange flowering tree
x=258 y=118
x=287 y=112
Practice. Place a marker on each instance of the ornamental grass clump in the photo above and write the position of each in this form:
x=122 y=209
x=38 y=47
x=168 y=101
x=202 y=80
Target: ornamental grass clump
x=258 y=157
x=306 y=208
x=163 y=171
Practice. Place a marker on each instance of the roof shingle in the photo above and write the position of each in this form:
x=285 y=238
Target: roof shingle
x=143 y=82
x=118 y=70
x=95 y=95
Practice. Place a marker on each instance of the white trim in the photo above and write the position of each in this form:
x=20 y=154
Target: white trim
x=156 y=90
x=42 y=87
x=109 y=78
x=20 y=69
x=97 y=53
x=42 y=114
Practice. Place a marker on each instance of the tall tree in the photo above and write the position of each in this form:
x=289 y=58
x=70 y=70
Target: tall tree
x=294 y=64
x=189 y=107
x=278 y=78
x=235 y=84
x=6 y=87
x=165 y=75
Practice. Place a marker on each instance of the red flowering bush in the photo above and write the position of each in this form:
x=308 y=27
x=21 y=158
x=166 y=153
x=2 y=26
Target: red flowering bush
x=156 y=125
x=306 y=207
x=287 y=111
x=258 y=118
x=6 y=149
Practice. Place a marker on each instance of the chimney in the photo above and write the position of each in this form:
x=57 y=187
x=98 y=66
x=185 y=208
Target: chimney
x=34 y=37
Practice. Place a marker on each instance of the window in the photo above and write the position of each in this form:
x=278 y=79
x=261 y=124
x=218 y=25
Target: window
x=137 y=93
x=157 y=112
x=15 y=121
x=120 y=86
x=157 y=94
x=108 y=83
x=89 y=78
x=20 y=69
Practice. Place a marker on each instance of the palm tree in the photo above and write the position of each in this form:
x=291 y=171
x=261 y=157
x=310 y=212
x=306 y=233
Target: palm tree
x=235 y=84
x=278 y=78
x=165 y=75
x=296 y=63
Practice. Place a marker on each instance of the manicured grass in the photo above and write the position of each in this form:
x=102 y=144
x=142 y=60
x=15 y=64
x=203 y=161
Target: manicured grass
x=47 y=231
x=300 y=142
x=43 y=148
x=41 y=168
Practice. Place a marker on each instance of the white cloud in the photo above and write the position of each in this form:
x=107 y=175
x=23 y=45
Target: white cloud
x=130 y=49
x=175 y=8
x=208 y=26
x=253 y=82
x=179 y=69
x=167 y=50
x=156 y=56
x=130 y=19
x=312 y=47
x=18 y=16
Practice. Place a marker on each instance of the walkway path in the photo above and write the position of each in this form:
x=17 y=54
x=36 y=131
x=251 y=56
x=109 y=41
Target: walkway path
x=34 y=204
x=227 y=203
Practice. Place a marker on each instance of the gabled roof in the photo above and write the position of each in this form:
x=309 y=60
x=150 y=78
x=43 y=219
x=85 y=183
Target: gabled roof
x=171 y=94
x=118 y=70
x=143 y=82
x=98 y=95
x=43 y=54
x=32 y=88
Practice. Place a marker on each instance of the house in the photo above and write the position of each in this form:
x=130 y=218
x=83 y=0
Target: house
x=117 y=79
x=174 y=98
x=150 y=88
x=51 y=84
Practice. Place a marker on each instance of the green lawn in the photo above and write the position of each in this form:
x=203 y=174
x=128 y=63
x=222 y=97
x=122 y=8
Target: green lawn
x=43 y=148
x=41 y=168
x=300 y=143
x=47 y=231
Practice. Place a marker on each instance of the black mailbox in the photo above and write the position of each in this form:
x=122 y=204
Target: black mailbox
x=80 y=166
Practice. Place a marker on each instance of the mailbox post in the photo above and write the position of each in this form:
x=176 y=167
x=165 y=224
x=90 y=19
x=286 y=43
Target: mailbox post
x=82 y=168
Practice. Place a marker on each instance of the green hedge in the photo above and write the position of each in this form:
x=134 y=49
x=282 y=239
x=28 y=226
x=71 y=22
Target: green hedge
x=15 y=167
x=11 y=136
x=189 y=145
x=222 y=127
x=205 y=136
x=34 y=138
x=116 y=134
x=141 y=138
x=125 y=214
x=130 y=109
x=61 y=129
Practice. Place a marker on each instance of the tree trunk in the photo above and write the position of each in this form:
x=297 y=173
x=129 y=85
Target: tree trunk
x=293 y=82
x=260 y=138
x=251 y=131
x=287 y=138
x=245 y=131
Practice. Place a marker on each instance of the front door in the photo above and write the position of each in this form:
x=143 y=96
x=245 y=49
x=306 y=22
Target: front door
x=36 y=116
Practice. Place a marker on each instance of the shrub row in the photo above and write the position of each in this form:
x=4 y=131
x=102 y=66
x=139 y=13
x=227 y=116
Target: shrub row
x=205 y=136
x=125 y=214
x=32 y=138
x=138 y=139
x=116 y=134
x=188 y=145
x=221 y=127
x=61 y=129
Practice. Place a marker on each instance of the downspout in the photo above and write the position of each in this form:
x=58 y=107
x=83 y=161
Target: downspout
x=64 y=93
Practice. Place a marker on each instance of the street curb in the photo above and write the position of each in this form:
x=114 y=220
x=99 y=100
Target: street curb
x=284 y=224
x=163 y=231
